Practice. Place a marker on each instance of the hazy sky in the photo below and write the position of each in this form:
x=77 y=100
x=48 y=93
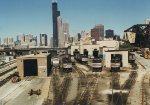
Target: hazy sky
x=35 y=16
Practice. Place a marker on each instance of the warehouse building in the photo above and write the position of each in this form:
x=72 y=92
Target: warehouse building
x=34 y=65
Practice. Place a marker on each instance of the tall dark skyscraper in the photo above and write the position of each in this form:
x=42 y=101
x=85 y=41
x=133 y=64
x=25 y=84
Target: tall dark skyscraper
x=55 y=14
x=109 y=33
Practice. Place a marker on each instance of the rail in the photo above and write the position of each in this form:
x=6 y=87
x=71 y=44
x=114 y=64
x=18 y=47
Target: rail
x=61 y=91
x=121 y=98
x=86 y=95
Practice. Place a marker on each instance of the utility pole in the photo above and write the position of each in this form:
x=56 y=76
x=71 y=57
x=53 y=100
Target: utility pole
x=112 y=98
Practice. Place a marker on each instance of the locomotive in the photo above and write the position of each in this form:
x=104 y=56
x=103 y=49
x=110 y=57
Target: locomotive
x=55 y=61
x=96 y=62
x=131 y=58
x=82 y=58
x=96 y=65
x=66 y=64
x=115 y=62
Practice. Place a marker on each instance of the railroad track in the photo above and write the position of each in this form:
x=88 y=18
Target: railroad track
x=145 y=89
x=121 y=98
x=16 y=90
x=79 y=71
x=82 y=76
x=86 y=96
x=7 y=70
x=6 y=75
x=7 y=64
x=61 y=91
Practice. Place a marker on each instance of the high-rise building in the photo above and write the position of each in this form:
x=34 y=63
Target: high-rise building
x=43 y=39
x=55 y=14
x=61 y=37
x=28 y=39
x=8 y=41
x=147 y=21
x=79 y=36
x=97 y=33
x=109 y=33
x=0 y=41
x=51 y=42
x=66 y=31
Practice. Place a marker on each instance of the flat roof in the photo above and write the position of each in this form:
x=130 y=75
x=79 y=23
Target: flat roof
x=115 y=50
x=41 y=55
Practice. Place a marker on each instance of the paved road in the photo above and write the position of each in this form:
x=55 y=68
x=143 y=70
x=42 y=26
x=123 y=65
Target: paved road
x=17 y=93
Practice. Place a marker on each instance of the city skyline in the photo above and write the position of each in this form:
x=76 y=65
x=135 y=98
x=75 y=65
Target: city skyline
x=34 y=17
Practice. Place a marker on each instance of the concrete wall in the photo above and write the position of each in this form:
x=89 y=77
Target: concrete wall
x=109 y=43
x=90 y=49
x=124 y=58
x=73 y=49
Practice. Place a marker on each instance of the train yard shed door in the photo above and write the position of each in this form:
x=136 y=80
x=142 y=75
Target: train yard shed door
x=30 y=67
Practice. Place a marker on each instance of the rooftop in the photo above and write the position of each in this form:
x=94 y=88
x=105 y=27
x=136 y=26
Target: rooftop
x=41 y=55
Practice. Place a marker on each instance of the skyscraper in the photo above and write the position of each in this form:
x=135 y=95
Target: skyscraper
x=147 y=21
x=79 y=36
x=109 y=33
x=8 y=41
x=66 y=31
x=61 y=36
x=43 y=39
x=97 y=33
x=55 y=14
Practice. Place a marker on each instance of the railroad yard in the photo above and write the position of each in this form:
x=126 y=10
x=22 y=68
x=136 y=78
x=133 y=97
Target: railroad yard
x=130 y=86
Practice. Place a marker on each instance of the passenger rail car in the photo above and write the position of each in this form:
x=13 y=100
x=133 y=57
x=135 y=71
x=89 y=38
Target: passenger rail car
x=116 y=62
x=96 y=65
x=82 y=59
x=66 y=65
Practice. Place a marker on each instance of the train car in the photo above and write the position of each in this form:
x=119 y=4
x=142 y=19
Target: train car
x=83 y=59
x=66 y=65
x=115 y=62
x=55 y=61
x=131 y=58
x=96 y=65
x=73 y=60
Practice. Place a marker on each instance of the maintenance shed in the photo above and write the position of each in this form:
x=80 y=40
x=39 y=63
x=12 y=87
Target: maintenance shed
x=34 y=65
x=123 y=56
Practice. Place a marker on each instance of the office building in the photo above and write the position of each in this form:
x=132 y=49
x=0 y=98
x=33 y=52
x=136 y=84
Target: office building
x=97 y=33
x=55 y=15
x=147 y=21
x=66 y=31
x=8 y=41
x=78 y=36
x=26 y=39
x=61 y=37
x=0 y=41
x=109 y=33
x=43 y=39
x=51 y=42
